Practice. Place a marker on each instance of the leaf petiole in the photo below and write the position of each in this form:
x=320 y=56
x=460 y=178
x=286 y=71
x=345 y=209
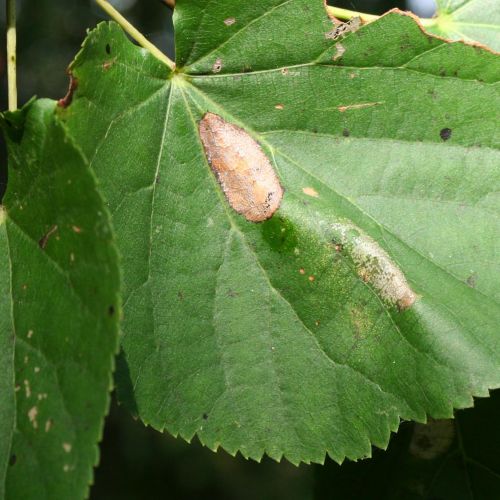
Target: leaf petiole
x=11 y=54
x=135 y=33
x=346 y=14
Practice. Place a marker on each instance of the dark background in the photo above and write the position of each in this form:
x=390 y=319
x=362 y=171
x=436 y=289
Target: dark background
x=140 y=463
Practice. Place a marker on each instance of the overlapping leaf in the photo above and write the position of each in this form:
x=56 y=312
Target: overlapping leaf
x=275 y=337
x=59 y=322
x=469 y=20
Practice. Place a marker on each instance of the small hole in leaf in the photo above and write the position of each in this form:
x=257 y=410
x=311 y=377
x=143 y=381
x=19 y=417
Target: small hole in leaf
x=108 y=48
x=205 y=416
x=445 y=134
x=12 y=460
x=346 y=132
x=111 y=310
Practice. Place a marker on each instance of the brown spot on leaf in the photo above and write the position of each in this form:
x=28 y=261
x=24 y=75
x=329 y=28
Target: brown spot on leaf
x=339 y=51
x=27 y=388
x=445 y=134
x=42 y=242
x=68 y=98
x=32 y=414
x=243 y=171
x=217 y=66
x=310 y=192
x=360 y=105
x=472 y=280
x=279 y=106
x=344 y=28
x=106 y=65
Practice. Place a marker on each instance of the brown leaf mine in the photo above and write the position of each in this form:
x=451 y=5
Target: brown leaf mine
x=374 y=266
x=243 y=171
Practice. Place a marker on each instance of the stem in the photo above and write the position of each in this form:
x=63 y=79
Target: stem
x=345 y=15
x=135 y=33
x=11 y=54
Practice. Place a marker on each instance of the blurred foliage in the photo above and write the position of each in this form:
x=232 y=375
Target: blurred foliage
x=50 y=33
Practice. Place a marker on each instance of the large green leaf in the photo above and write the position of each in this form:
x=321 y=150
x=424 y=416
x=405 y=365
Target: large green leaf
x=59 y=326
x=293 y=336
x=470 y=20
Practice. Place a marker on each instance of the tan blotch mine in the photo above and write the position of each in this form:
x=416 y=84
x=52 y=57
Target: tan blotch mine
x=244 y=172
x=375 y=267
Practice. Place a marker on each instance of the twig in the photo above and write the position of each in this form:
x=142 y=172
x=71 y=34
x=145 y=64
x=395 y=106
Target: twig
x=11 y=54
x=135 y=33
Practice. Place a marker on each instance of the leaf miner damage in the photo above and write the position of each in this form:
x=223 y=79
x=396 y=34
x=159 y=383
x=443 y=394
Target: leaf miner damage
x=243 y=171
x=374 y=266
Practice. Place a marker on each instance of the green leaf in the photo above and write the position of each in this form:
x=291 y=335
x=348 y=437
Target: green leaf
x=469 y=20
x=293 y=336
x=59 y=329
x=446 y=459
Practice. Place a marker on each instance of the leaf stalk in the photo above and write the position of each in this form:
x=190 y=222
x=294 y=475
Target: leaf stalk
x=135 y=33
x=346 y=14
x=11 y=54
